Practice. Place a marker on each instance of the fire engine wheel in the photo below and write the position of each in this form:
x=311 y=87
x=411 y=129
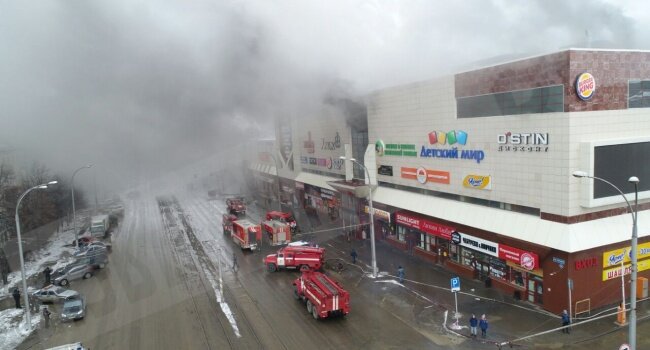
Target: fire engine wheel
x=309 y=306
x=273 y=268
x=296 y=295
x=304 y=267
x=314 y=312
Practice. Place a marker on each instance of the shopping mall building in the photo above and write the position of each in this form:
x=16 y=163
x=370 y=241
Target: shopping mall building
x=474 y=172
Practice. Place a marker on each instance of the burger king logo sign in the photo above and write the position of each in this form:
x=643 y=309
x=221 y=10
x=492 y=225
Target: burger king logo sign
x=585 y=86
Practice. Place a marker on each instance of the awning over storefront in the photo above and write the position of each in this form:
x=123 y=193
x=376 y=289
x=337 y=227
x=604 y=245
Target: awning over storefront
x=315 y=180
x=263 y=168
x=568 y=238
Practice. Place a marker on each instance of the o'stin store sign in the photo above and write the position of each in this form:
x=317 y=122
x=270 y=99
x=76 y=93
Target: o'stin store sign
x=585 y=86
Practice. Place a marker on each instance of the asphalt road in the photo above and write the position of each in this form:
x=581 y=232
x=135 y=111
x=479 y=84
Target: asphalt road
x=161 y=290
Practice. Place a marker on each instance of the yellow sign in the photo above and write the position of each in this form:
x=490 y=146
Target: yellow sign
x=613 y=257
x=479 y=182
x=379 y=213
x=615 y=272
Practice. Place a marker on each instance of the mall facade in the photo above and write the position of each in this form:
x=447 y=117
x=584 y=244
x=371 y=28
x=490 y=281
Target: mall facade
x=474 y=172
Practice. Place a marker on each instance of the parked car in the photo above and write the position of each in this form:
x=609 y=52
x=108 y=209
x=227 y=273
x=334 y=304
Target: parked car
x=53 y=294
x=73 y=272
x=90 y=250
x=73 y=309
x=73 y=346
x=84 y=241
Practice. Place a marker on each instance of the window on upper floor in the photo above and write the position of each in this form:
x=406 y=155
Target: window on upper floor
x=638 y=94
x=549 y=99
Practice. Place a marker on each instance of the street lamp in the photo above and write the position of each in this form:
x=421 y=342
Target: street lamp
x=633 y=254
x=20 y=250
x=74 y=214
x=277 y=175
x=372 y=217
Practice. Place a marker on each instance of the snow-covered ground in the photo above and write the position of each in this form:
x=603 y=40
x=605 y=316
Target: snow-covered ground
x=12 y=327
x=12 y=324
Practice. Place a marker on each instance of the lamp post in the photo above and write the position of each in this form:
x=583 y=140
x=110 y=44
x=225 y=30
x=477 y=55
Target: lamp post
x=277 y=175
x=633 y=253
x=20 y=250
x=372 y=217
x=74 y=214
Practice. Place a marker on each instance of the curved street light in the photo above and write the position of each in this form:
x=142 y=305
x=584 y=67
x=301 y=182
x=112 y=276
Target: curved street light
x=633 y=254
x=20 y=249
x=74 y=214
x=372 y=218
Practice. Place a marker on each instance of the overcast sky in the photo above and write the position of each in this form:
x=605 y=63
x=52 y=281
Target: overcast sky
x=143 y=87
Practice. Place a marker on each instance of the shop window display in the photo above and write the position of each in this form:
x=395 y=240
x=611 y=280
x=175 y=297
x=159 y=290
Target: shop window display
x=401 y=233
x=518 y=278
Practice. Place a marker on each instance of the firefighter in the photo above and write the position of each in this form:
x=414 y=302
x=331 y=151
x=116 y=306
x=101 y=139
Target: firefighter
x=353 y=254
x=235 y=266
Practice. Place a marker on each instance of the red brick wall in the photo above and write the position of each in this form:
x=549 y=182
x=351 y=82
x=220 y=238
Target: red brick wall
x=429 y=256
x=611 y=70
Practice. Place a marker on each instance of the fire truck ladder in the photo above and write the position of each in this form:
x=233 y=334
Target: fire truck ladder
x=324 y=282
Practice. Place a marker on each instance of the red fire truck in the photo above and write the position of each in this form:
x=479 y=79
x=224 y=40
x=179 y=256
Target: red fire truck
x=236 y=206
x=246 y=234
x=278 y=232
x=324 y=296
x=283 y=217
x=295 y=257
x=226 y=223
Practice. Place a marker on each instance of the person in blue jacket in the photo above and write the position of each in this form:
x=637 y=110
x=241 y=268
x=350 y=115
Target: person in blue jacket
x=566 y=321
x=473 y=323
x=484 y=326
x=400 y=274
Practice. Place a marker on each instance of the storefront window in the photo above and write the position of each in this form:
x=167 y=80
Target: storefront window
x=453 y=253
x=498 y=269
x=401 y=233
x=517 y=278
x=427 y=242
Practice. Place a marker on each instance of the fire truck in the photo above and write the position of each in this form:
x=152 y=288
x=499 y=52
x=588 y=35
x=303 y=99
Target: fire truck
x=283 y=217
x=226 y=223
x=236 y=206
x=324 y=296
x=246 y=234
x=295 y=257
x=278 y=232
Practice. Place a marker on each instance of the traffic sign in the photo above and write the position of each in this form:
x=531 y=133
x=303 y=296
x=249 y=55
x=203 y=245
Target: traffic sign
x=624 y=347
x=455 y=284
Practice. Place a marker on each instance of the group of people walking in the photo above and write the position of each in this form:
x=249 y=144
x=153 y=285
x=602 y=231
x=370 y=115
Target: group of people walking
x=475 y=323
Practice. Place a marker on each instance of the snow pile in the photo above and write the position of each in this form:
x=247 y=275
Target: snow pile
x=12 y=327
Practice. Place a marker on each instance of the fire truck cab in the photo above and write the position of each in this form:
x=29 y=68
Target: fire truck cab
x=278 y=232
x=323 y=296
x=236 y=206
x=226 y=223
x=246 y=234
x=295 y=257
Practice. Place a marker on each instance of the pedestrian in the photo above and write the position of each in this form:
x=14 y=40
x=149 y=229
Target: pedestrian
x=16 y=295
x=46 y=316
x=400 y=274
x=235 y=266
x=48 y=275
x=354 y=256
x=473 y=322
x=566 y=321
x=484 y=326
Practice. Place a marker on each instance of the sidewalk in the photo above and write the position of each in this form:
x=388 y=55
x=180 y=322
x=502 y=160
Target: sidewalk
x=427 y=292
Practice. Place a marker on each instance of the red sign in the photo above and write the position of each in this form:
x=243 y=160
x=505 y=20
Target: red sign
x=527 y=260
x=586 y=263
x=426 y=226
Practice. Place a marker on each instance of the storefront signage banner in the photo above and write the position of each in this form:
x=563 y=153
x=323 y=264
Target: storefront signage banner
x=479 y=244
x=615 y=272
x=525 y=259
x=423 y=175
x=614 y=257
x=379 y=213
x=300 y=185
x=385 y=170
x=327 y=194
x=425 y=226
x=479 y=182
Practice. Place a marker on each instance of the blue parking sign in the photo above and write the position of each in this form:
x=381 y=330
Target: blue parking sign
x=455 y=284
